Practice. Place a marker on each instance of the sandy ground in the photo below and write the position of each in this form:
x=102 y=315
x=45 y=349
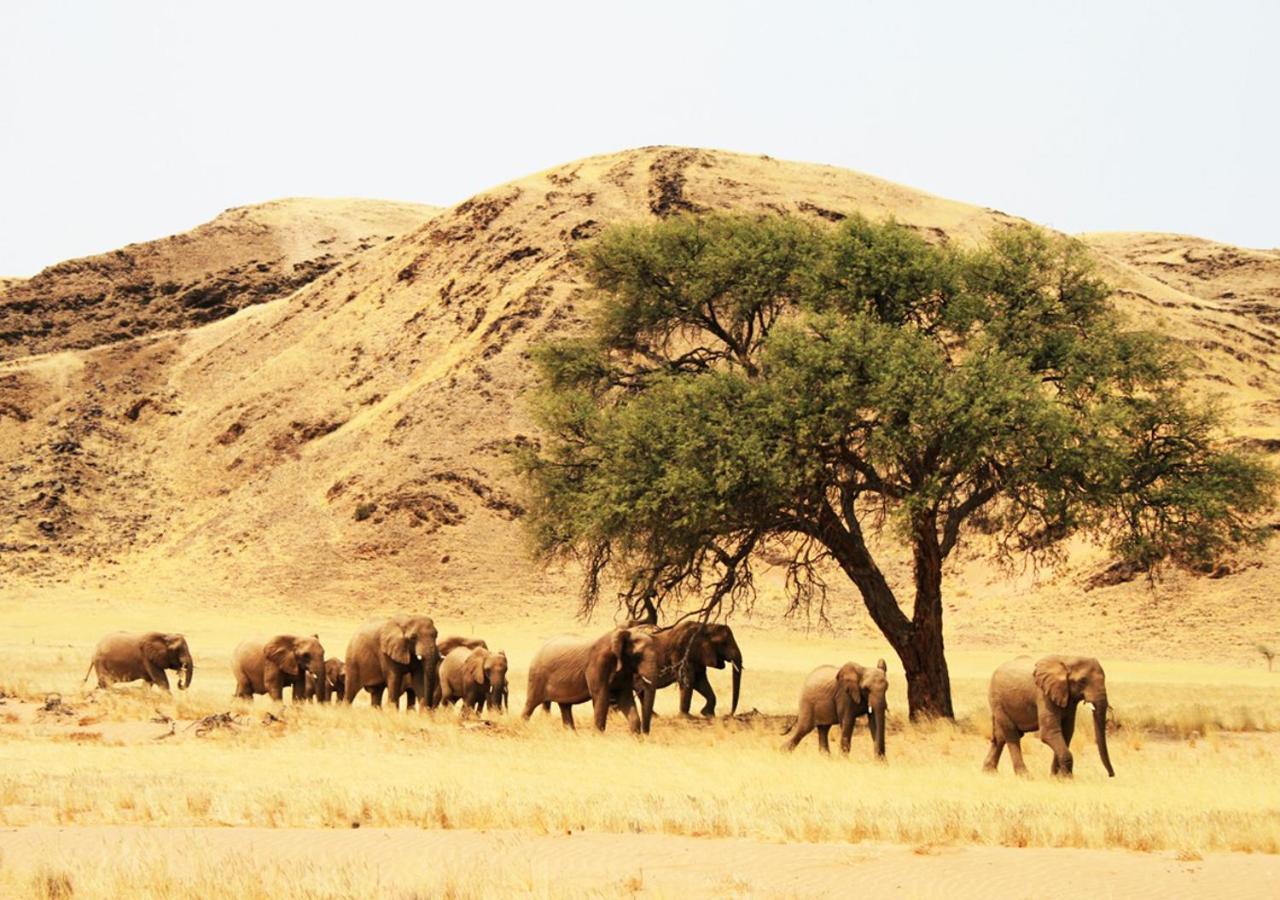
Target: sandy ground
x=663 y=864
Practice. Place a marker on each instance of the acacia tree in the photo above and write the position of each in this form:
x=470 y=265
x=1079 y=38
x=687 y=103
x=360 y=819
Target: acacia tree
x=762 y=386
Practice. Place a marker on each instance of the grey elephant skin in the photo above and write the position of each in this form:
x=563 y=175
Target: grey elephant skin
x=1042 y=696
x=571 y=669
x=271 y=665
x=685 y=652
x=476 y=677
x=833 y=696
x=397 y=655
x=125 y=656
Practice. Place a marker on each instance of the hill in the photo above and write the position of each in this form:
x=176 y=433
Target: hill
x=247 y=255
x=340 y=443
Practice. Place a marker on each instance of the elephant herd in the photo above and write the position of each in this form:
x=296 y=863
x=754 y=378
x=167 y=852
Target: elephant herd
x=622 y=669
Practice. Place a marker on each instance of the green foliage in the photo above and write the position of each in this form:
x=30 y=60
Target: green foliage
x=752 y=378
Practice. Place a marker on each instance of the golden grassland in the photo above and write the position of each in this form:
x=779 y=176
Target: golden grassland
x=1195 y=749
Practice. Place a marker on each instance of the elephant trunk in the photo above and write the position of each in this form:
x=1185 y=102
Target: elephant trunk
x=430 y=675
x=1100 y=734
x=184 y=673
x=646 y=706
x=320 y=683
x=877 y=729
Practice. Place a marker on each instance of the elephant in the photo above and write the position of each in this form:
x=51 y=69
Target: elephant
x=123 y=656
x=569 y=669
x=832 y=695
x=334 y=681
x=269 y=666
x=394 y=655
x=446 y=645
x=476 y=677
x=684 y=653
x=1042 y=696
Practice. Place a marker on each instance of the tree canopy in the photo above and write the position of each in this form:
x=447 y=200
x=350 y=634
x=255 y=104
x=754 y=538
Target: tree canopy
x=754 y=383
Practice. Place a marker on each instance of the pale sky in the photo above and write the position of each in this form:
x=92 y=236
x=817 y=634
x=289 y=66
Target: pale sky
x=128 y=121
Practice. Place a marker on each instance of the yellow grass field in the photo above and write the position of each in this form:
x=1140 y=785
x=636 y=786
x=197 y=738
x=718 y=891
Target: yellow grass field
x=1196 y=749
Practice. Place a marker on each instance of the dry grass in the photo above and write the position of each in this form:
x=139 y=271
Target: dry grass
x=168 y=874
x=1188 y=781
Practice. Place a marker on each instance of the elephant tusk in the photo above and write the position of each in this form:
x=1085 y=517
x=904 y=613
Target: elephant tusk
x=738 y=666
x=646 y=681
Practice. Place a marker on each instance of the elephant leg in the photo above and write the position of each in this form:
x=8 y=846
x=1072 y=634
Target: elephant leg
x=299 y=690
x=375 y=695
x=1068 y=729
x=1015 y=755
x=686 y=696
x=566 y=715
x=703 y=687
x=993 y=755
x=846 y=733
x=627 y=706
x=394 y=689
x=1062 y=761
x=824 y=744
x=244 y=691
x=1069 y=723
x=157 y=677
x=799 y=731
x=600 y=704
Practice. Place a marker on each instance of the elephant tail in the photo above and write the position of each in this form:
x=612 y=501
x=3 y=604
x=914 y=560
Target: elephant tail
x=93 y=663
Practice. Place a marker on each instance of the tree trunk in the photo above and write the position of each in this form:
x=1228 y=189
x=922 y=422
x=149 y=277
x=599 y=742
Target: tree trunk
x=925 y=665
x=918 y=640
x=924 y=657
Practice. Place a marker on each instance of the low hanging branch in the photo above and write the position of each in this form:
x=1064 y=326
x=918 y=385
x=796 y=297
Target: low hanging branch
x=758 y=382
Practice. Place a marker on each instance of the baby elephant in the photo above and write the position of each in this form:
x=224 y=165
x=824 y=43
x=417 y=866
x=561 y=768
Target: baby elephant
x=268 y=667
x=476 y=677
x=1042 y=696
x=832 y=695
x=130 y=657
x=335 y=681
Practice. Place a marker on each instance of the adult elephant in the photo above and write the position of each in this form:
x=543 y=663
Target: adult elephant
x=685 y=652
x=125 y=656
x=476 y=677
x=394 y=655
x=570 y=669
x=1042 y=695
x=830 y=696
x=284 y=661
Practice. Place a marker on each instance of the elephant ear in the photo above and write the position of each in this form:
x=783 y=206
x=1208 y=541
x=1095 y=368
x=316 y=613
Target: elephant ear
x=1051 y=678
x=704 y=651
x=619 y=645
x=394 y=643
x=850 y=678
x=155 y=647
x=475 y=666
x=280 y=651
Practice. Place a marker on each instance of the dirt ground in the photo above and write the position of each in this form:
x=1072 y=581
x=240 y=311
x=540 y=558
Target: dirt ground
x=407 y=860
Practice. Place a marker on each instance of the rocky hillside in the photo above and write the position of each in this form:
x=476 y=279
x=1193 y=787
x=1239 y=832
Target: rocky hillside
x=248 y=255
x=343 y=441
